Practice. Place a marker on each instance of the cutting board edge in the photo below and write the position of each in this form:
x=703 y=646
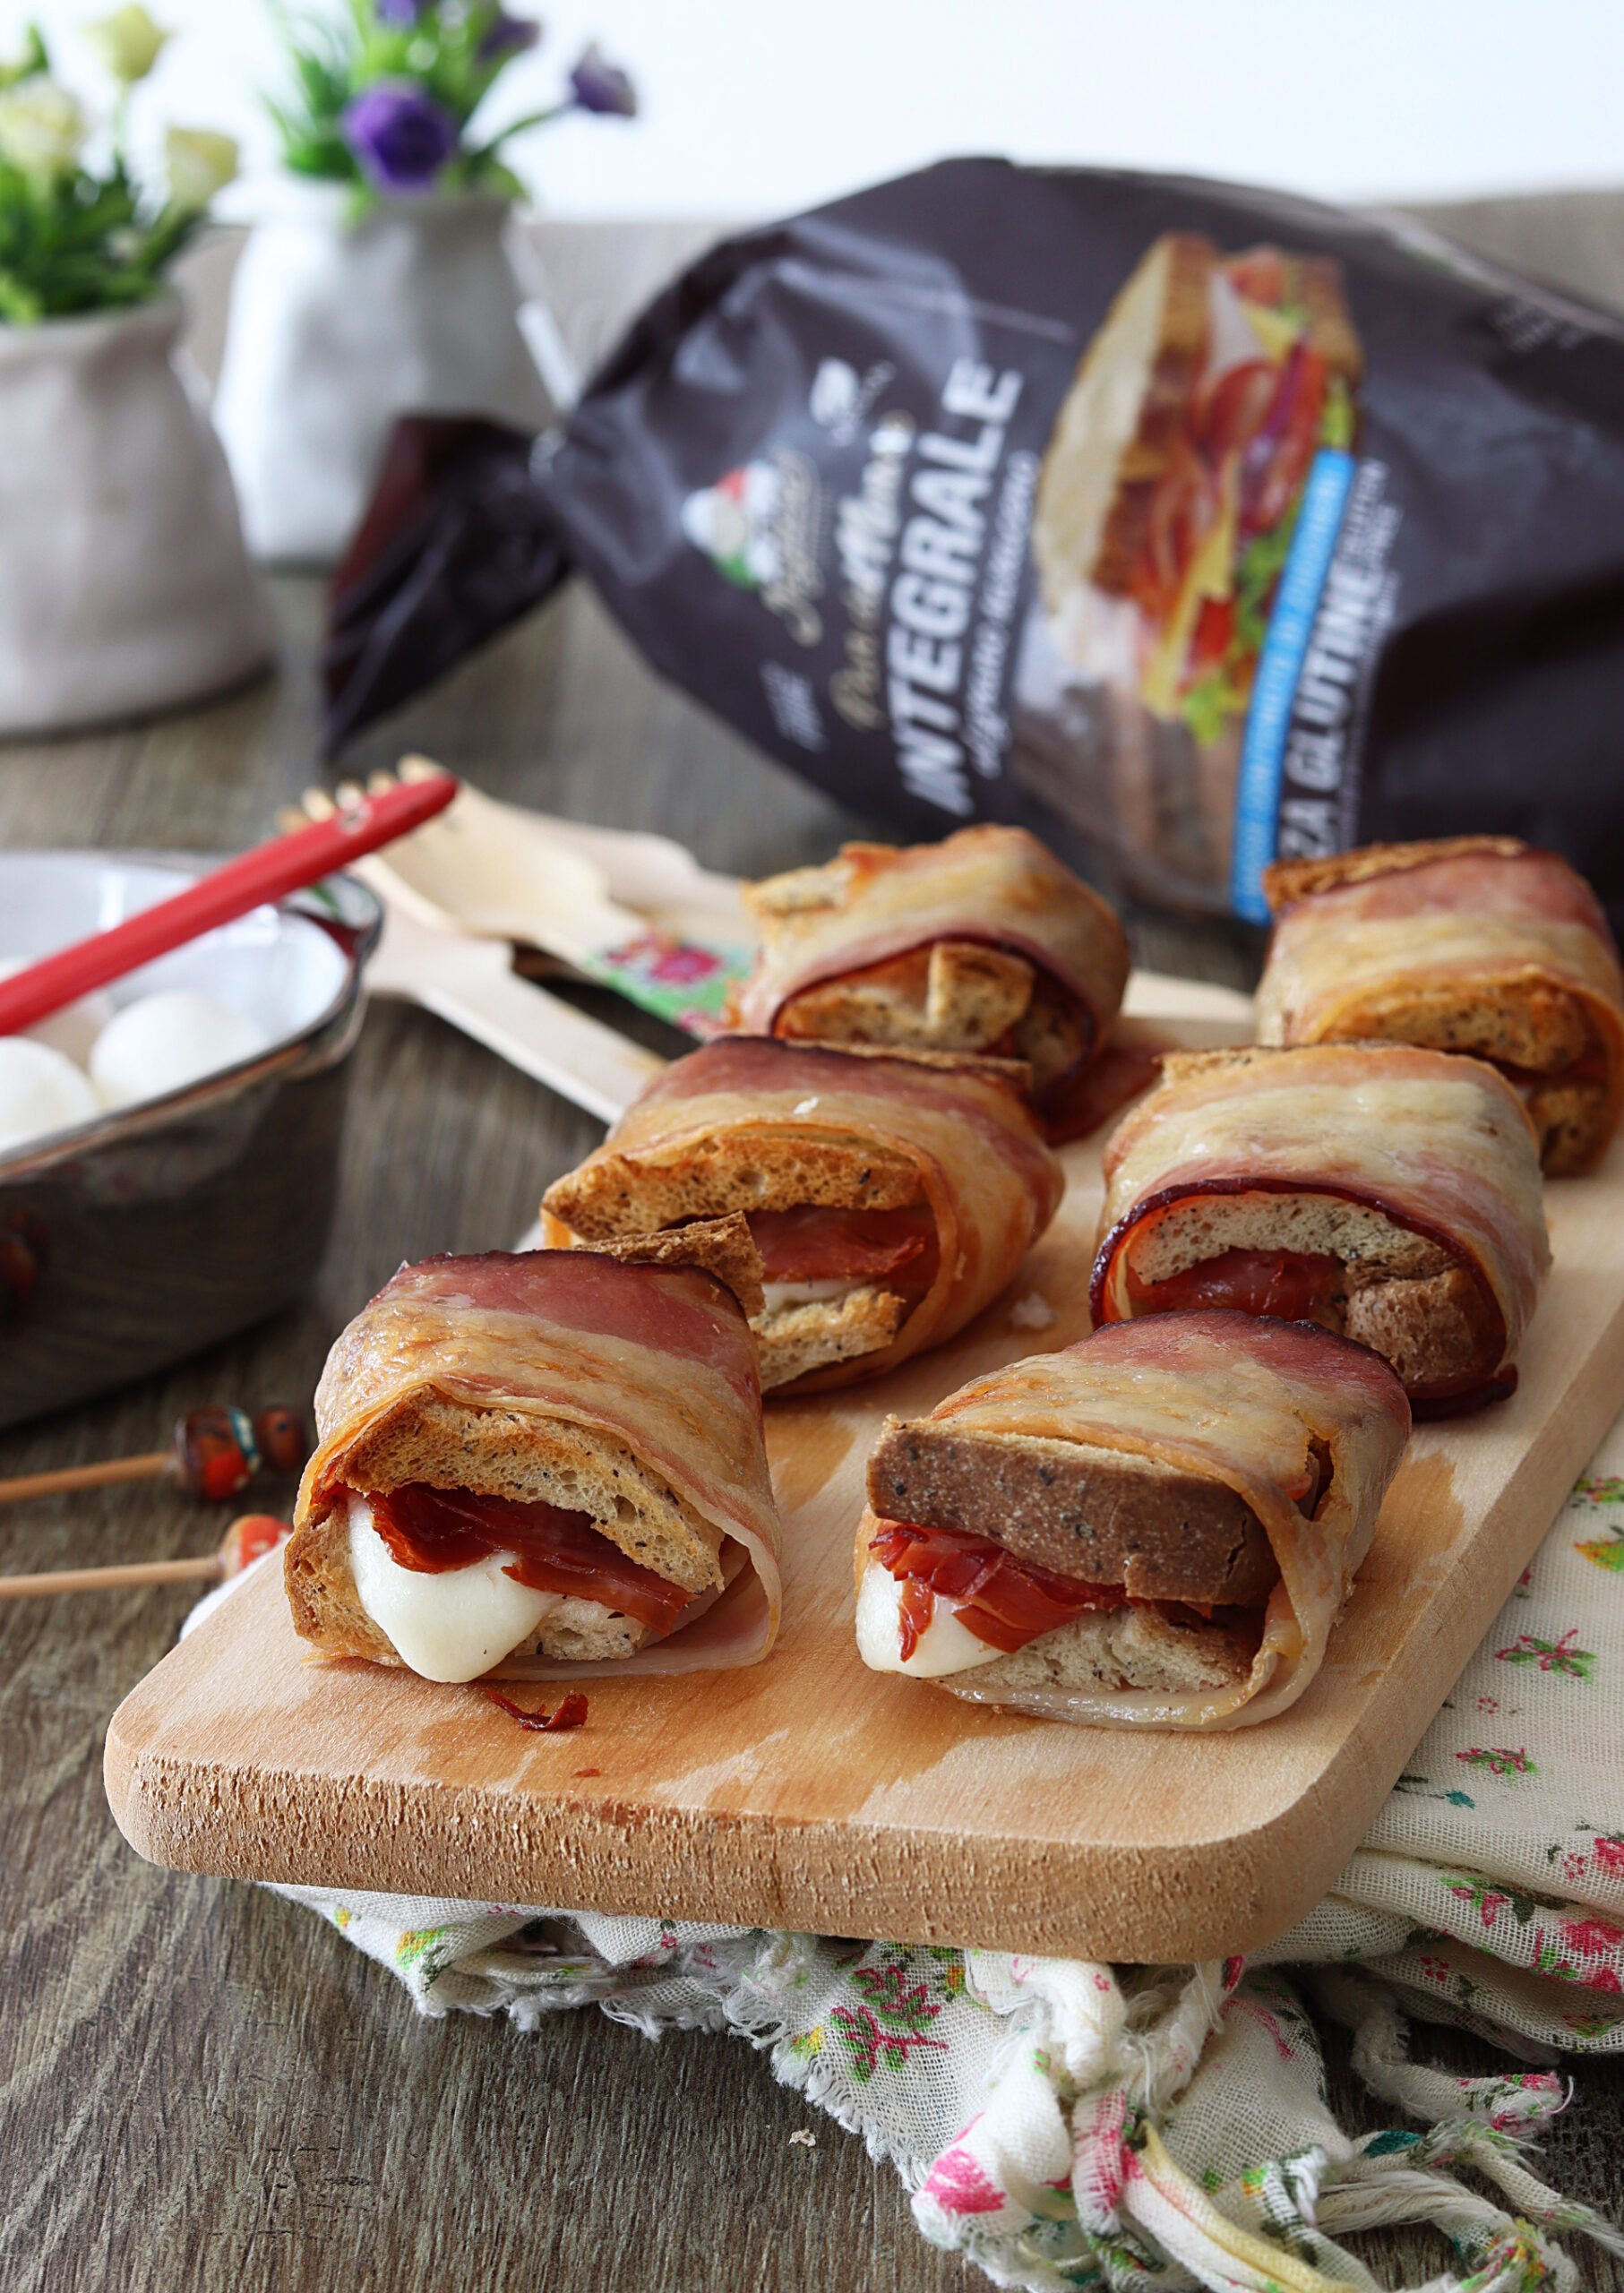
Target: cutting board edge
x=1119 y=1900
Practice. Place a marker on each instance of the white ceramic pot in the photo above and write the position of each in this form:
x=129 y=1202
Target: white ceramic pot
x=337 y=326
x=123 y=585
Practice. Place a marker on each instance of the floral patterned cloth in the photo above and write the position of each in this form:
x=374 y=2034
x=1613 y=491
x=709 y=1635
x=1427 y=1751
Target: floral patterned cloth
x=1068 y=2124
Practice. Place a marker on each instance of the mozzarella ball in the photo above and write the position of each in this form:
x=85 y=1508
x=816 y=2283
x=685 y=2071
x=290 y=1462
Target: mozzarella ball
x=40 y=1091
x=162 y=1043
x=75 y=1027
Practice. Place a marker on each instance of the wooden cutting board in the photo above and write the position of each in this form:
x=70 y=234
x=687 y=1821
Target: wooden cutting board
x=812 y=1793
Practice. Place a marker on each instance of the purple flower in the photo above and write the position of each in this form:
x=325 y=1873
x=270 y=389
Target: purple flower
x=401 y=13
x=508 y=35
x=402 y=137
x=599 y=85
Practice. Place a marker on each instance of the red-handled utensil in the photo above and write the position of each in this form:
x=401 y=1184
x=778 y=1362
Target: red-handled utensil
x=268 y=873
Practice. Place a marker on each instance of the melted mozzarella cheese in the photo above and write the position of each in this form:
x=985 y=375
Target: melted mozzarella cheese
x=778 y=1297
x=945 y=1645
x=449 y=1624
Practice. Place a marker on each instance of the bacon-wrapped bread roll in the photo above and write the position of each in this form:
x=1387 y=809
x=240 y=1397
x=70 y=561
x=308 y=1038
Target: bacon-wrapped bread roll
x=981 y=943
x=540 y=1466
x=1476 y=944
x=1387 y=1193
x=1156 y=1527
x=891 y=1199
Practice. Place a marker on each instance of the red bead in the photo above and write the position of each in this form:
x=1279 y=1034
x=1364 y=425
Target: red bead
x=213 y=1453
x=248 y=1539
x=283 y=1442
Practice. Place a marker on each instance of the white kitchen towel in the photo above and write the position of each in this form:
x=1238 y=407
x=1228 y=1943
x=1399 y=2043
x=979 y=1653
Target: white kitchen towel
x=1068 y=2124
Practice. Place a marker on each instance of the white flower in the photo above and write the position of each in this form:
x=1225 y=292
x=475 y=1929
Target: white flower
x=199 y=163
x=128 y=42
x=42 y=128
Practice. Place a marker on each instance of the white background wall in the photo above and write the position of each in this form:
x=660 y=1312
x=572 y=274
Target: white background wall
x=753 y=107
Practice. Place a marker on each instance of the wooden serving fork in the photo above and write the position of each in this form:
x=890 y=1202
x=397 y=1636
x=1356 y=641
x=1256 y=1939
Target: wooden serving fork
x=634 y=912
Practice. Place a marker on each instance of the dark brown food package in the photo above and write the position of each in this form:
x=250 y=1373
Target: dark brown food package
x=1192 y=526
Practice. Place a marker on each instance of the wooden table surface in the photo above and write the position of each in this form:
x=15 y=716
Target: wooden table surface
x=200 y=2085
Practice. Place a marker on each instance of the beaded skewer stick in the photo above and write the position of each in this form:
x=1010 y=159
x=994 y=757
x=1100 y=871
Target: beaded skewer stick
x=214 y=1453
x=246 y=1541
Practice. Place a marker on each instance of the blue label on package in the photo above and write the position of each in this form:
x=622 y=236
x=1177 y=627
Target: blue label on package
x=1279 y=667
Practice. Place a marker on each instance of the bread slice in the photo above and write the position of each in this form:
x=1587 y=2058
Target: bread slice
x=1373 y=1246
x=1574 y=1121
x=955 y=995
x=1285 y=881
x=1429 y=1329
x=723 y=1247
x=1049 y=1037
x=1121 y=421
x=794 y=1340
x=740 y=1169
x=322 y=1593
x=1524 y=1023
x=1105 y=1515
x=1114 y=1649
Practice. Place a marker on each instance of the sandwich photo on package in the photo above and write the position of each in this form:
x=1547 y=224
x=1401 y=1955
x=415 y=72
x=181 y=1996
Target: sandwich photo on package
x=542 y=1465
x=1154 y=1527
x=1389 y=1194
x=1474 y=943
x=981 y=943
x=891 y=1198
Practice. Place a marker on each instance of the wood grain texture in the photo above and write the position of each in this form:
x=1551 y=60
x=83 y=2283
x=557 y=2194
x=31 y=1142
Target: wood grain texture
x=199 y=2087
x=809 y=1792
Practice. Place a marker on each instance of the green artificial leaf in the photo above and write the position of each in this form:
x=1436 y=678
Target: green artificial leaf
x=33 y=59
x=19 y=302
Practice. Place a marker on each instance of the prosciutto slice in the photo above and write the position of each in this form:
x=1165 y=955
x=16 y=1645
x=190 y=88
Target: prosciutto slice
x=995 y=886
x=988 y=1183
x=816 y=1244
x=1244 y=1402
x=659 y=1357
x=1439 y=1145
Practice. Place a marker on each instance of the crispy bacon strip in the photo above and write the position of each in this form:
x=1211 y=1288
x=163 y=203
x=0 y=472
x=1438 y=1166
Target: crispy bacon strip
x=996 y=886
x=660 y=1358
